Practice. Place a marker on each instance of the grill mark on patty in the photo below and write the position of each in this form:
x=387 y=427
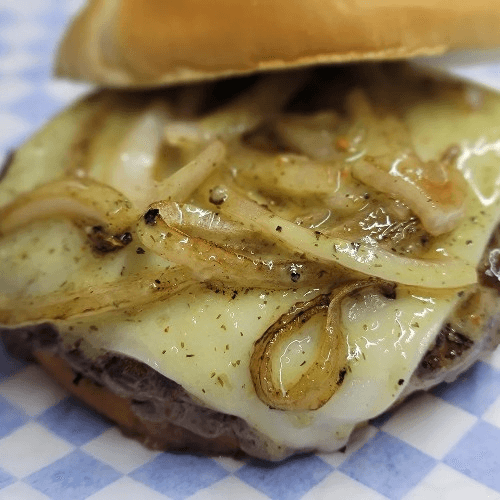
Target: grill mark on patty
x=450 y=345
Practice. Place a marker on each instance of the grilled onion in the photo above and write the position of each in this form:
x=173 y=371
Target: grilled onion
x=242 y=114
x=84 y=200
x=314 y=135
x=182 y=183
x=366 y=258
x=134 y=162
x=319 y=380
x=165 y=230
x=133 y=291
x=429 y=189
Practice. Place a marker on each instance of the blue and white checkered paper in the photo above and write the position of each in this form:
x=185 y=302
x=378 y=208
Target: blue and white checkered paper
x=439 y=445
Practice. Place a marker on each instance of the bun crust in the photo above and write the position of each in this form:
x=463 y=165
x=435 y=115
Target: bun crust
x=143 y=44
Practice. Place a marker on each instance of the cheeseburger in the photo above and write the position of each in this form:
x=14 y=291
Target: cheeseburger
x=238 y=244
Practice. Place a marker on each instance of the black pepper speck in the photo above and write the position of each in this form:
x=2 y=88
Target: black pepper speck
x=150 y=216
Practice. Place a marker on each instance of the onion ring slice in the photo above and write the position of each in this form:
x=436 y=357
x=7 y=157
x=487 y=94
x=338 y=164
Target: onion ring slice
x=319 y=382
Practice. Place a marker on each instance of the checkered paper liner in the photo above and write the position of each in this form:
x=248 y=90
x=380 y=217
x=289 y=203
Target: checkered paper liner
x=442 y=444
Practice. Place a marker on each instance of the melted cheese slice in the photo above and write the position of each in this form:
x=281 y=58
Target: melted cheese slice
x=203 y=340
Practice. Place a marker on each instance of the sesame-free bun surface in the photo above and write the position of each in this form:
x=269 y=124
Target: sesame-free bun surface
x=138 y=43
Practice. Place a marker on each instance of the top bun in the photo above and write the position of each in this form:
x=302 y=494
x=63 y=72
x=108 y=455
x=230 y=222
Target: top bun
x=146 y=43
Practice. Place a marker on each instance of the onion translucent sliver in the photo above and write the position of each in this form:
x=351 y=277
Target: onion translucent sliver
x=180 y=185
x=166 y=236
x=187 y=217
x=132 y=168
x=313 y=135
x=292 y=174
x=83 y=200
x=241 y=115
x=131 y=292
x=437 y=217
x=365 y=258
x=321 y=378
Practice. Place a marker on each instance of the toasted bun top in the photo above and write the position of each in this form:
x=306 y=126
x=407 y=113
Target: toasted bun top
x=139 y=43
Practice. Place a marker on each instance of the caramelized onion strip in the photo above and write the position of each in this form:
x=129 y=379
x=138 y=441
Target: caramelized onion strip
x=438 y=202
x=320 y=379
x=124 y=293
x=314 y=135
x=165 y=229
x=180 y=185
x=365 y=258
x=135 y=159
x=83 y=200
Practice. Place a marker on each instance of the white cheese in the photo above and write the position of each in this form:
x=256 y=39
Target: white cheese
x=203 y=339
